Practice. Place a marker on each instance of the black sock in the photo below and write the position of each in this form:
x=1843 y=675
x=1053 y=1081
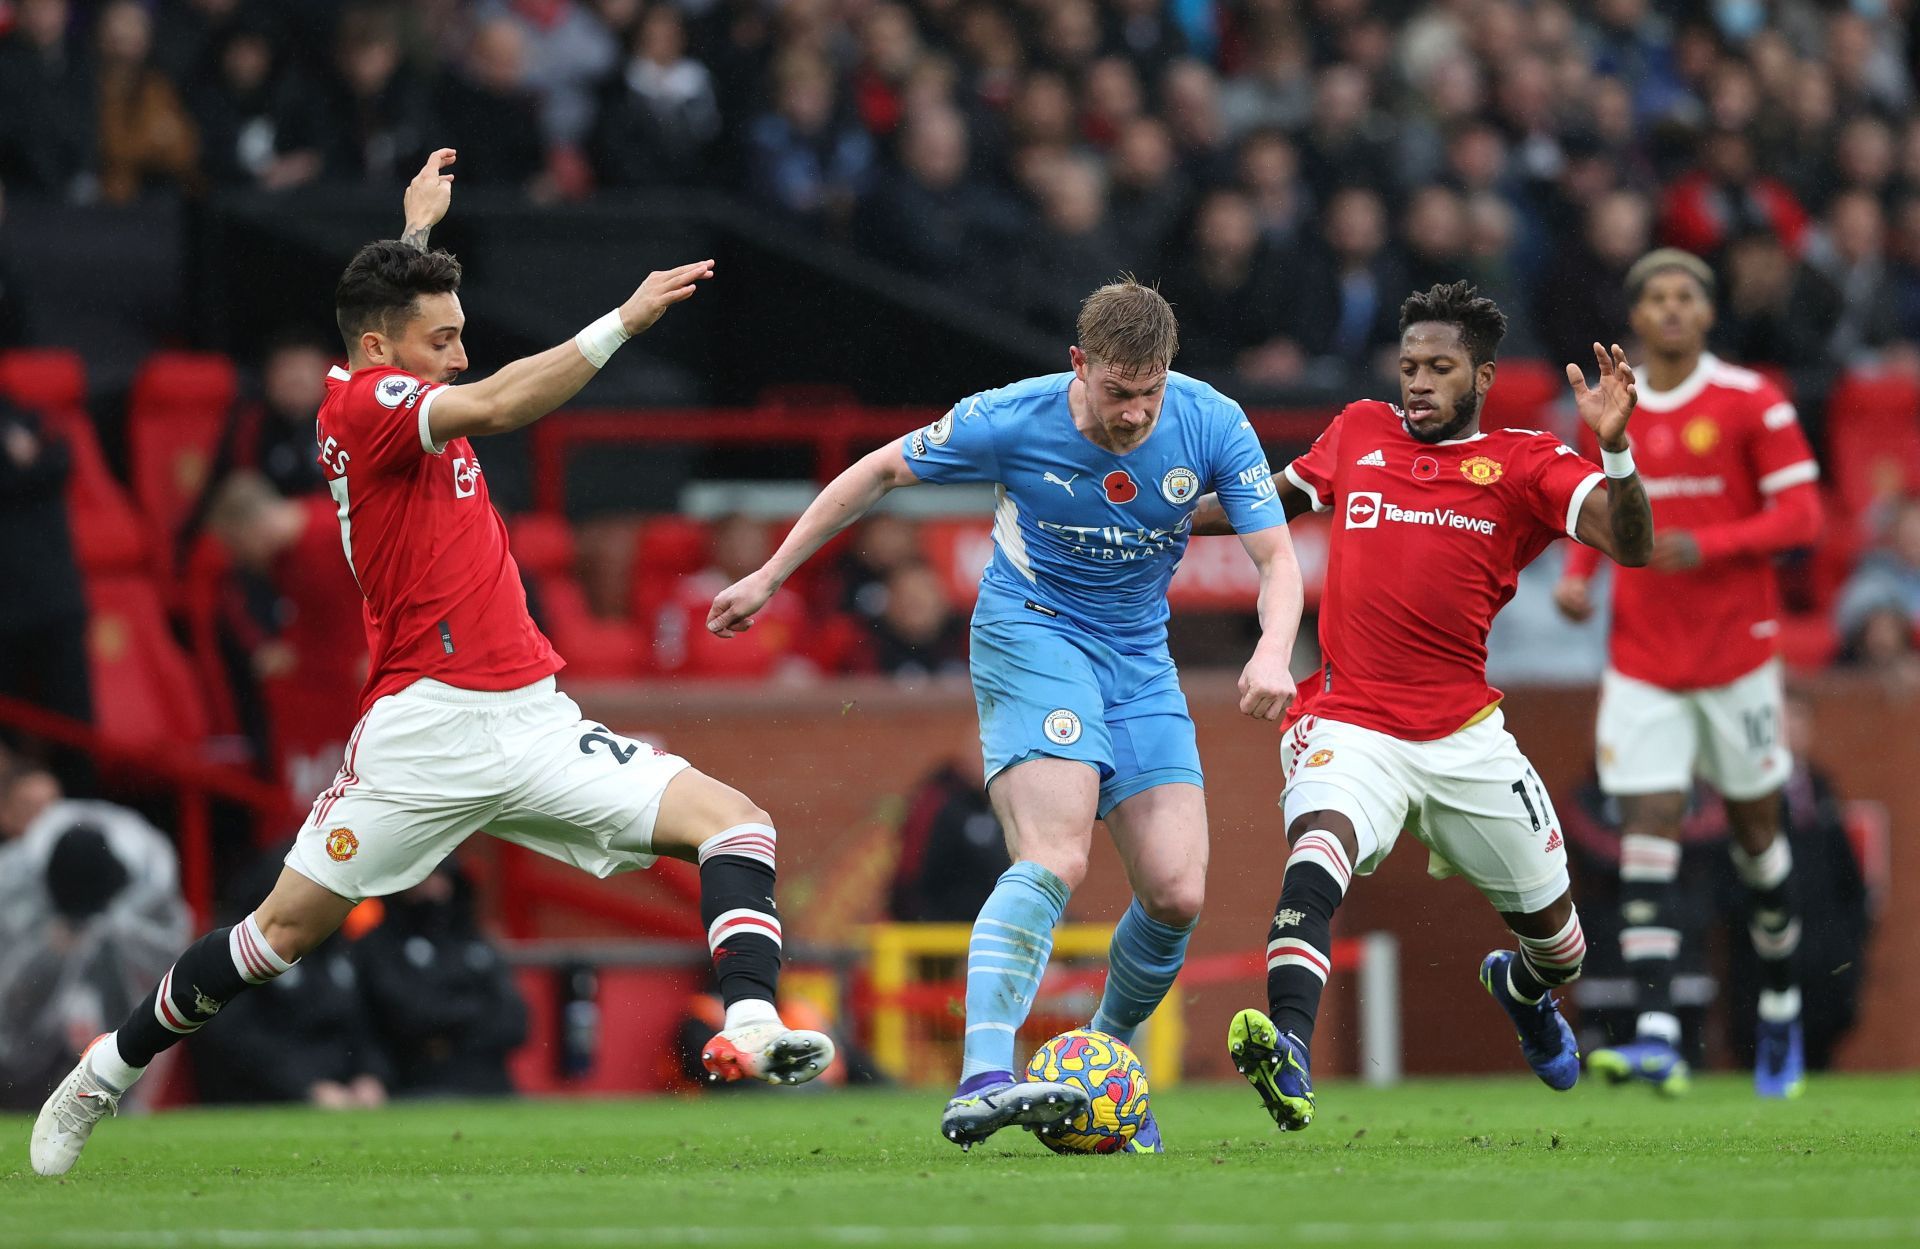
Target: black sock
x=1775 y=926
x=1649 y=940
x=215 y=969
x=736 y=904
x=1300 y=942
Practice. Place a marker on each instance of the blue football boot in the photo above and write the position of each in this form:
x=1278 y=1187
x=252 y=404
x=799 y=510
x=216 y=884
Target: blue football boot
x=1147 y=1139
x=1545 y=1038
x=1779 y=1061
x=1276 y=1065
x=1652 y=1062
x=974 y=1116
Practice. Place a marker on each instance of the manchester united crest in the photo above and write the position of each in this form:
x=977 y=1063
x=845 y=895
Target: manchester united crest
x=1320 y=758
x=342 y=845
x=1701 y=435
x=1482 y=470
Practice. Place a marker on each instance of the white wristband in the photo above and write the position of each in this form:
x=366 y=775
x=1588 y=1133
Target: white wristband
x=1617 y=464
x=600 y=340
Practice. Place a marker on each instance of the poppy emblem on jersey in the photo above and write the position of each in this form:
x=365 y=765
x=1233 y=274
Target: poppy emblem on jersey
x=392 y=391
x=1482 y=471
x=1320 y=758
x=1701 y=435
x=1119 y=486
x=1062 y=727
x=1426 y=468
x=940 y=430
x=1180 y=485
x=342 y=845
x=1363 y=510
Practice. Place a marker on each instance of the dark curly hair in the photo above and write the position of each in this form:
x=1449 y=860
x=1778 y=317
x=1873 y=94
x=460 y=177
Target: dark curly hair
x=381 y=283
x=1460 y=304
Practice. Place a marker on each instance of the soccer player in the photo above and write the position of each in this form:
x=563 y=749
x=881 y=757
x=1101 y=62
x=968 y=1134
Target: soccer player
x=1098 y=472
x=461 y=727
x=1693 y=685
x=1435 y=518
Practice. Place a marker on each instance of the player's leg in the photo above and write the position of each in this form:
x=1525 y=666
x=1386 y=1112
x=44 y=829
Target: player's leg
x=1344 y=806
x=1745 y=756
x=1648 y=743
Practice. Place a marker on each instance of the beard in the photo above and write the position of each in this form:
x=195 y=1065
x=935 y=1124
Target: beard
x=1464 y=412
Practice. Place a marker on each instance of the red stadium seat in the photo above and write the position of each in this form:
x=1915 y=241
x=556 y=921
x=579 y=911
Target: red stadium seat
x=148 y=693
x=1873 y=432
x=107 y=532
x=1522 y=392
x=178 y=412
x=668 y=548
x=543 y=546
x=44 y=380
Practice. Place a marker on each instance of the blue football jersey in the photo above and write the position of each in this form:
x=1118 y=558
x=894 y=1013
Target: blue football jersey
x=1080 y=531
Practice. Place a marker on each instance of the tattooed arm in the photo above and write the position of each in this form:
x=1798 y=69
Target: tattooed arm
x=1619 y=521
x=427 y=199
x=1622 y=524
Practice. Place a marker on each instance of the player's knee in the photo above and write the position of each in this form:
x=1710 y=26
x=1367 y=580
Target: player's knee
x=1176 y=902
x=1653 y=815
x=1063 y=859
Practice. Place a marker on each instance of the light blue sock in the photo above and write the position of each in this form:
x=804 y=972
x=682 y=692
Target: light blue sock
x=1141 y=964
x=1005 y=960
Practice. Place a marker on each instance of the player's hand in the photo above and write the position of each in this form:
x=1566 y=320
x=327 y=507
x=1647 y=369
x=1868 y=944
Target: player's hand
x=430 y=193
x=660 y=292
x=1574 y=598
x=734 y=607
x=1266 y=687
x=1674 y=551
x=1606 y=407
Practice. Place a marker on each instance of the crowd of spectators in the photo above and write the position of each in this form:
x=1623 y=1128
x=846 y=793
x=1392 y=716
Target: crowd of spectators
x=1287 y=168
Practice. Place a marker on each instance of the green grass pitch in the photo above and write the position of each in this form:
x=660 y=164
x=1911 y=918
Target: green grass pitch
x=1468 y=1162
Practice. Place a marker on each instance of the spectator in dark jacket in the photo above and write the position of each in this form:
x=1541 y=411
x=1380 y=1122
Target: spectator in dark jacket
x=659 y=117
x=1583 y=296
x=803 y=158
x=43 y=615
x=951 y=846
x=927 y=216
x=256 y=114
x=377 y=114
x=918 y=633
x=47 y=105
x=1346 y=304
x=489 y=115
x=1724 y=197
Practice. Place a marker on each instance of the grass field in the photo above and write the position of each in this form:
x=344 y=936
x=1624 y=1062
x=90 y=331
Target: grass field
x=1481 y=1162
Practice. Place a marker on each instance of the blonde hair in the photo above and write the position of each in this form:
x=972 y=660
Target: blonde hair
x=1128 y=325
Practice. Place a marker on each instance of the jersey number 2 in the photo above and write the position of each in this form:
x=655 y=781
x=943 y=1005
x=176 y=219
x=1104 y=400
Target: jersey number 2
x=600 y=736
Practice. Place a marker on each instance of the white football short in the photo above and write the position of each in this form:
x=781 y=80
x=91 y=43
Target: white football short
x=431 y=765
x=1654 y=741
x=1471 y=798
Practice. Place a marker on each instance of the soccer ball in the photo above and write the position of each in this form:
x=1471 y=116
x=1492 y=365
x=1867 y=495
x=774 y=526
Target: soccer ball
x=1112 y=1076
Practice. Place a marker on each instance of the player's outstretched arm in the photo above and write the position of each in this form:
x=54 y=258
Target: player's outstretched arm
x=1619 y=522
x=846 y=499
x=428 y=197
x=1266 y=683
x=1210 y=519
x=529 y=388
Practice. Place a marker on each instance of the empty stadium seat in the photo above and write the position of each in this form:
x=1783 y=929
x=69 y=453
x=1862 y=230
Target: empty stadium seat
x=147 y=695
x=44 y=379
x=175 y=419
x=1873 y=435
x=108 y=534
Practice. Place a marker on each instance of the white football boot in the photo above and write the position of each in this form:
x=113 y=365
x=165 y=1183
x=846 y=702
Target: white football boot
x=67 y=1120
x=767 y=1050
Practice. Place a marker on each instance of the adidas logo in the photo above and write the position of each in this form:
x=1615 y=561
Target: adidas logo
x=1372 y=459
x=1553 y=840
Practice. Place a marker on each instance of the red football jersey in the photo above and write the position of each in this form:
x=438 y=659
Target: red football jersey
x=1427 y=545
x=1710 y=451
x=443 y=596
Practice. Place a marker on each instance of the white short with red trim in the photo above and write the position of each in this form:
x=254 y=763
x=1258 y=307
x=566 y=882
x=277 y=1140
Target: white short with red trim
x=431 y=765
x=1652 y=740
x=1471 y=798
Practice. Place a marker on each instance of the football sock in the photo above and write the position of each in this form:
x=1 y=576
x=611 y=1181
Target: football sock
x=1649 y=868
x=1775 y=928
x=1546 y=963
x=736 y=904
x=1006 y=957
x=1300 y=943
x=1141 y=964
x=215 y=969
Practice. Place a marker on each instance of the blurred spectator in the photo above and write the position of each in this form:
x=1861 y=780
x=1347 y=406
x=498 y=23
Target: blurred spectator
x=48 y=133
x=884 y=543
x=488 y=112
x=1863 y=159
x=1346 y=144
x=1069 y=34
x=1583 y=298
x=377 y=117
x=918 y=633
x=309 y=652
x=1725 y=196
x=1190 y=101
x=1346 y=298
x=803 y=158
x=275 y=435
x=1434 y=231
x=14 y=329
x=146 y=136
x=90 y=916
x=1147 y=33
x=26 y=790
x=255 y=114
x=1269 y=171
x=1071 y=252
x=1274 y=90
x=1110 y=100
x=658 y=116
x=1879 y=608
x=1634 y=44
x=187 y=35
x=563 y=51
x=1776 y=309
x=1229 y=296
x=1851 y=251
x=951 y=847
x=43 y=614
x=889 y=50
x=775 y=644
x=443 y=999
x=1906 y=268
x=927 y=216
x=1149 y=192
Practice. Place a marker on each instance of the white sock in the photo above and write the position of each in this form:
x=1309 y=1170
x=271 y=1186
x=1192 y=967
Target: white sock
x=1658 y=1025
x=1779 y=1005
x=749 y=1011
x=104 y=1061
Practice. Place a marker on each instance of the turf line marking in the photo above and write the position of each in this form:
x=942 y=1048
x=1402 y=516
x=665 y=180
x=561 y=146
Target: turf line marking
x=1851 y=1231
